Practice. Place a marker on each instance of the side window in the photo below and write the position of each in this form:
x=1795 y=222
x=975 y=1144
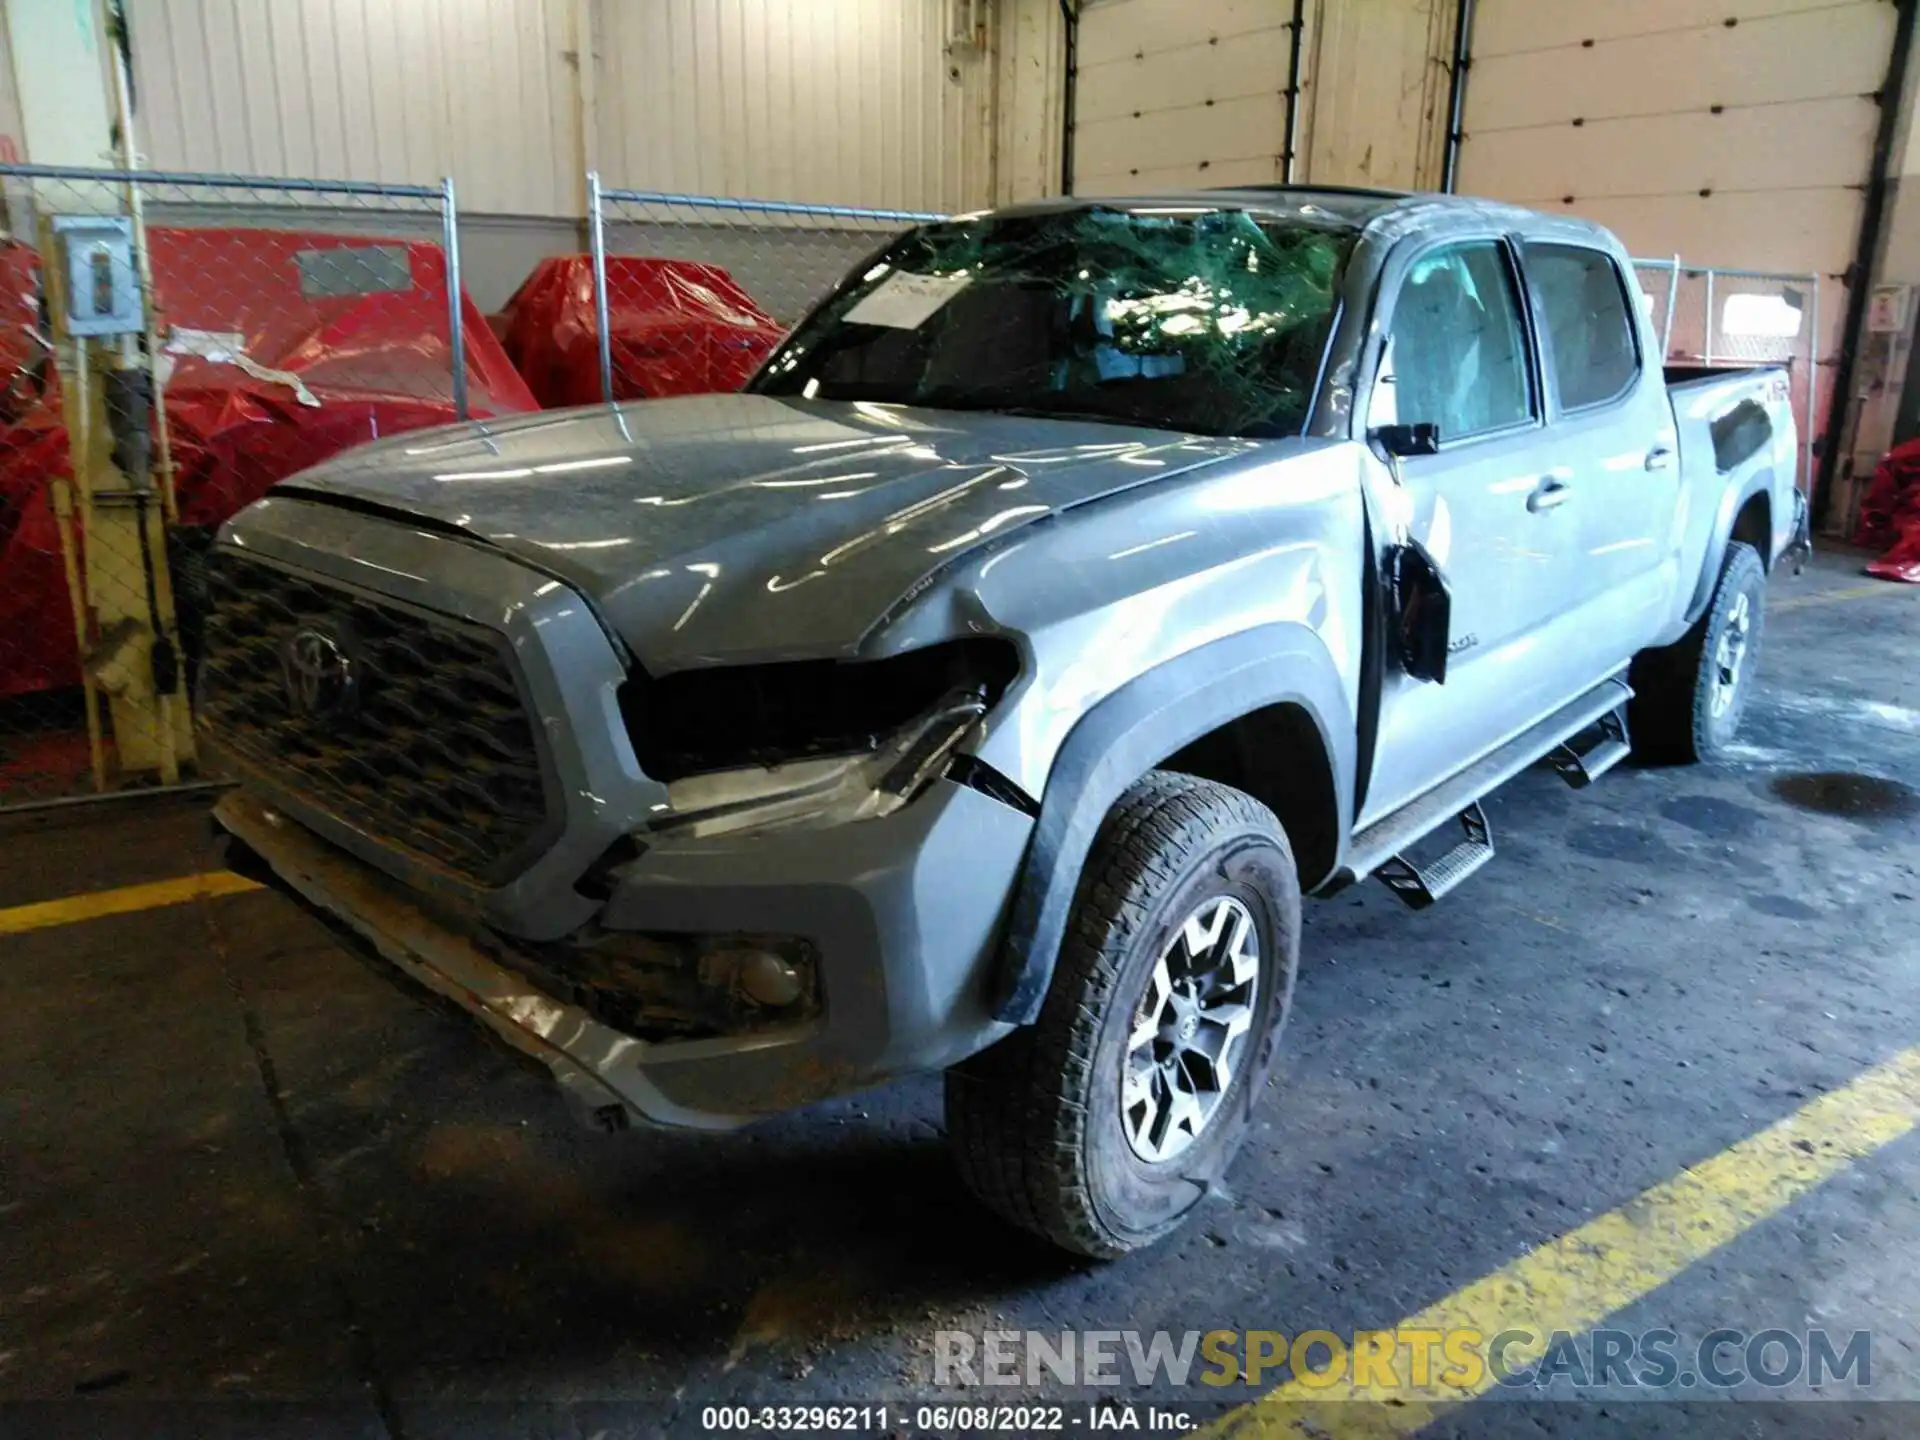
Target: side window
x=1456 y=350
x=1583 y=312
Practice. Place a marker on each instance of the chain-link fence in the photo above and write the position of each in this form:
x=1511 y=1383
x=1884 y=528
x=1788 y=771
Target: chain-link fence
x=698 y=289
x=172 y=345
x=1715 y=316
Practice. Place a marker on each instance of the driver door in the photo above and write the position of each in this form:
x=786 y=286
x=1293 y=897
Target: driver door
x=1459 y=355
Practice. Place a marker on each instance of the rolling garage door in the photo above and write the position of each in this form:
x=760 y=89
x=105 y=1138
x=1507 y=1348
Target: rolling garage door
x=1187 y=94
x=1179 y=94
x=1733 y=132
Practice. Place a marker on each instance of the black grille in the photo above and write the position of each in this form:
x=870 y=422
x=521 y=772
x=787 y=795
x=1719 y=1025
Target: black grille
x=411 y=725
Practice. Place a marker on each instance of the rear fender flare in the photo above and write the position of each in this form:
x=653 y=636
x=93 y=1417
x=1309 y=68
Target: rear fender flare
x=1732 y=501
x=1124 y=736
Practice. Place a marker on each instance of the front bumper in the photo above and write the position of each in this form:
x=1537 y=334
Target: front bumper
x=904 y=912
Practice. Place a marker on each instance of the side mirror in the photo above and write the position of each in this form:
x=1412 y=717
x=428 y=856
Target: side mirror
x=1422 y=613
x=1401 y=441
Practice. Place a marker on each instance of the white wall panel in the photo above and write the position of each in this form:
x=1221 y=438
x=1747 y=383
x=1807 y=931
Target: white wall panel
x=1770 y=149
x=1246 y=67
x=1030 y=45
x=851 y=102
x=395 y=90
x=1375 y=93
x=1175 y=94
x=1731 y=132
x=1765 y=62
x=1506 y=27
x=1769 y=179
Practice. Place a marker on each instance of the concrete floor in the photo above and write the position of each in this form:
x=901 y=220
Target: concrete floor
x=237 y=1165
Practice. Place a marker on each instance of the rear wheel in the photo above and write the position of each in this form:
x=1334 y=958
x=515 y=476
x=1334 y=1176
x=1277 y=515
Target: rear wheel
x=1689 y=697
x=1104 y=1123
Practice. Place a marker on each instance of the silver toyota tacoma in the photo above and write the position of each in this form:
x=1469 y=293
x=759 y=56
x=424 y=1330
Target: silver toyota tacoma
x=1074 y=589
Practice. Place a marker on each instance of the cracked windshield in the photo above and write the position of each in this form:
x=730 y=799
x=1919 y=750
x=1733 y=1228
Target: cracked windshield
x=1205 y=321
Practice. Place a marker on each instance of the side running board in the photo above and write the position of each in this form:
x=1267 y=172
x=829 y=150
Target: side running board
x=1580 y=768
x=1380 y=848
x=1419 y=885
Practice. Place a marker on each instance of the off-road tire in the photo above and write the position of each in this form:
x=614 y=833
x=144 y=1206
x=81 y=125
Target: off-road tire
x=1671 y=715
x=1035 y=1121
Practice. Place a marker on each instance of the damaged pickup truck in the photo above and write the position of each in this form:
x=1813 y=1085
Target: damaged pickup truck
x=1077 y=587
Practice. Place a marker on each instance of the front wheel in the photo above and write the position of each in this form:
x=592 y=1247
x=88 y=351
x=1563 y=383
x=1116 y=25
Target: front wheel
x=1100 y=1126
x=1689 y=696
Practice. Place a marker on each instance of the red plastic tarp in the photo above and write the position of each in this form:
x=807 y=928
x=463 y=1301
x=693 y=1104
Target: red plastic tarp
x=1890 y=515
x=364 y=336
x=676 y=327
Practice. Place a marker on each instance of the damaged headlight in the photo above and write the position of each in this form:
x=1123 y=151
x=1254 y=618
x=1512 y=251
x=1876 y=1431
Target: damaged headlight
x=810 y=742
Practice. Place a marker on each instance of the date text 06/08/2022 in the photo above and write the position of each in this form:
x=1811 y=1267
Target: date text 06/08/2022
x=945 y=1419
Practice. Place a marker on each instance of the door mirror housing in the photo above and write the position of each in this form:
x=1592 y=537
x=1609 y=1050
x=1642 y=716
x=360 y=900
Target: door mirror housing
x=1401 y=441
x=1422 y=611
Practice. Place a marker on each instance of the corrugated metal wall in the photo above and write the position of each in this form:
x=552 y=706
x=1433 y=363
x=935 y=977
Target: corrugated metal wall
x=864 y=102
x=851 y=102
x=398 y=90
x=860 y=102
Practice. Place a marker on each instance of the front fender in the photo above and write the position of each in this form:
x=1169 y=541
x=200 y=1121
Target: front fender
x=1127 y=734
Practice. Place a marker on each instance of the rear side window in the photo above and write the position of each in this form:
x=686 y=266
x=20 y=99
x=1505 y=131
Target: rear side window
x=1583 y=311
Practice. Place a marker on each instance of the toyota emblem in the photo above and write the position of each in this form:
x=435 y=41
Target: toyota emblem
x=320 y=675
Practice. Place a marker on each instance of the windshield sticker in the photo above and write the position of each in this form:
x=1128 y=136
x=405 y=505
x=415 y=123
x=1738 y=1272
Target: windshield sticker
x=906 y=302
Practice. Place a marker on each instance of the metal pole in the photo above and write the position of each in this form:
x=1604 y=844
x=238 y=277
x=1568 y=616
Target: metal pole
x=1299 y=28
x=597 y=235
x=218 y=181
x=456 y=298
x=1813 y=389
x=1707 y=344
x=1457 y=98
x=1843 y=413
x=769 y=207
x=1070 y=18
x=1673 y=293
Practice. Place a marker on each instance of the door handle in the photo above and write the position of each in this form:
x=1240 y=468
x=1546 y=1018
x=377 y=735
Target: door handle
x=1548 y=494
x=1659 y=457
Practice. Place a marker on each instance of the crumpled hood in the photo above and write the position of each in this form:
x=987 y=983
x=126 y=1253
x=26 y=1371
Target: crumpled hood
x=724 y=528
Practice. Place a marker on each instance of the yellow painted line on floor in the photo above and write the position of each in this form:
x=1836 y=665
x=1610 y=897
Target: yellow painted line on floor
x=1574 y=1282
x=1834 y=597
x=124 y=901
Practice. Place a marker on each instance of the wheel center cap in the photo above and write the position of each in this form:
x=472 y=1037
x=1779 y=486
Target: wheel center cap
x=1188 y=1028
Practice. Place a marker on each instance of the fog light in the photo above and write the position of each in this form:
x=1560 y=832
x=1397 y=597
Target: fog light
x=770 y=979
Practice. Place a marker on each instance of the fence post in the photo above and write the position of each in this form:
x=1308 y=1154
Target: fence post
x=597 y=235
x=1673 y=293
x=1707 y=343
x=456 y=298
